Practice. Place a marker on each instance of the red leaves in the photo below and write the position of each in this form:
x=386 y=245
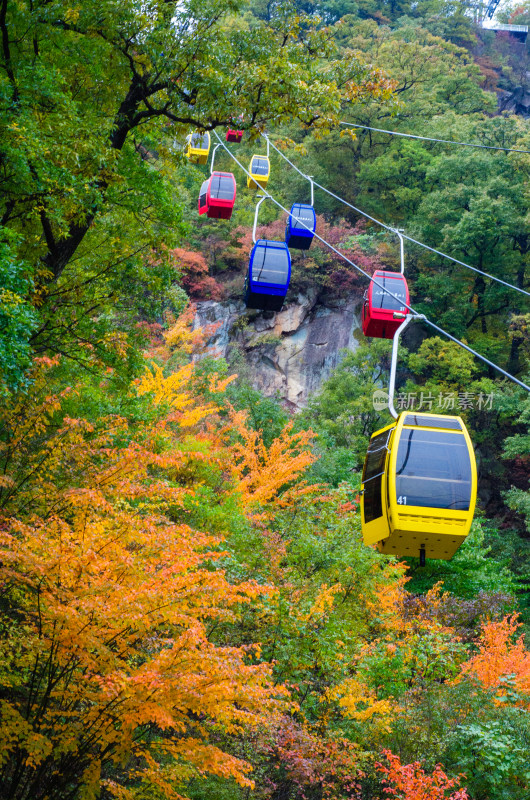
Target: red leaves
x=411 y=782
x=308 y=761
x=195 y=278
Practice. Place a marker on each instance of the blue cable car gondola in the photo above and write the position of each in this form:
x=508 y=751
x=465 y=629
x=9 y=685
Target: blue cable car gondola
x=301 y=226
x=269 y=272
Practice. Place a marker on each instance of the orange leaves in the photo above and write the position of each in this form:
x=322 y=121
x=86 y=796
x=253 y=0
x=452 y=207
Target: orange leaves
x=114 y=604
x=410 y=782
x=323 y=602
x=195 y=278
x=389 y=581
x=111 y=598
x=500 y=658
x=263 y=474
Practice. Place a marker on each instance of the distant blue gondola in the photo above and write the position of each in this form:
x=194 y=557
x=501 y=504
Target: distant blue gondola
x=301 y=226
x=269 y=273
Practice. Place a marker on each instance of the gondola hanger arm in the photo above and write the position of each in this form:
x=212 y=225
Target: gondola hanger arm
x=213 y=158
x=393 y=364
x=399 y=232
x=261 y=197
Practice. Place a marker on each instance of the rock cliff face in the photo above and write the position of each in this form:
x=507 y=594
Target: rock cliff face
x=289 y=353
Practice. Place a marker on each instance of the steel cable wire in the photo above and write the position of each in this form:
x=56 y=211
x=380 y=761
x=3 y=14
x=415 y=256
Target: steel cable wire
x=393 y=230
x=431 y=139
x=380 y=286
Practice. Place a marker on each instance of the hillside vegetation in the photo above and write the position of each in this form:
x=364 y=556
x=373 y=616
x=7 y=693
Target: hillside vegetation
x=188 y=610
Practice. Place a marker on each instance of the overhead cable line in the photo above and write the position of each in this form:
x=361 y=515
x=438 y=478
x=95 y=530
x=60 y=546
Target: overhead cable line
x=379 y=285
x=394 y=230
x=431 y=139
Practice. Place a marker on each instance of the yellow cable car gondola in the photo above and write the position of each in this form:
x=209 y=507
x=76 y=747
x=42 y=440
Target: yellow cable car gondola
x=419 y=486
x=260 y=170
x=198 y=147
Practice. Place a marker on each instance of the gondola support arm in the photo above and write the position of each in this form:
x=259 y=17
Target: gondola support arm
x=213 y=159
x=393 y=363
x=261 y=197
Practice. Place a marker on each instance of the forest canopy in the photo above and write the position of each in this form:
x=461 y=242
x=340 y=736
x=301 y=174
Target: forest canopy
x=187 y=606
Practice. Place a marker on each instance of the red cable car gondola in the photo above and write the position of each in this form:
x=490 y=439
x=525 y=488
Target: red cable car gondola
x=234 y=136
x=218 y=195
x=382 y=314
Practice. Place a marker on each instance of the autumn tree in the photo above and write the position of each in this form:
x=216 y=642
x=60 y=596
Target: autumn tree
x=96 y=100
x=109 y=676
x=410 y=782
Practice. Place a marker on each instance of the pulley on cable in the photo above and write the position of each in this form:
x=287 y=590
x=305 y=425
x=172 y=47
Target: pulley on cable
x=382 y=313
x=197 y=147
x=269 y=272
x=218 y=193
x=419 y=482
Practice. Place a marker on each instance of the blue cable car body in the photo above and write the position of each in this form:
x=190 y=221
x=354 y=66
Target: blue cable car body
x=296 y=235
x=268 y=276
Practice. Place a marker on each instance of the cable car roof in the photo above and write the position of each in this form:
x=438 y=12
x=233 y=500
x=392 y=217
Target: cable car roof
x=222 y=186
x=270 y=262
x=260 y=165
x=302 y=213
x=432 y=421
x=199 y=141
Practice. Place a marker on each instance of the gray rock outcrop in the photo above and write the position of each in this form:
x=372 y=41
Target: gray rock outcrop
x=288 y=353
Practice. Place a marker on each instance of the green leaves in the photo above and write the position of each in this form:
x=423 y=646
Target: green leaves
x=343 y=413
x=18 y=319
x=494 y=755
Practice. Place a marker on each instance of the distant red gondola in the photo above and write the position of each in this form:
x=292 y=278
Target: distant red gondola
x=233 y=136
x=383 y=314
x=218 y=195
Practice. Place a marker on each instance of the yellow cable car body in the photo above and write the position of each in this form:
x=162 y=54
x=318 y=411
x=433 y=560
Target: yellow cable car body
x=198 y=147
x=419 y=486
x=260 y=170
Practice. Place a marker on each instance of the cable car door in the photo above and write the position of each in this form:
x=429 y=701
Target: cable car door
x=374 y=507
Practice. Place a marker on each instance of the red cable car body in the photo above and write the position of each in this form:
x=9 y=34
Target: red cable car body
x=218 y=195
x=233 y=136
x=379 y=307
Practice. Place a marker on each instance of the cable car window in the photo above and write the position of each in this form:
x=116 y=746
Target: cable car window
x=199 y=141
x=260 y=166
x=270 y=264
x=381 y=299
x=222 y=187
x=433 y=422
x=374 y=467
x=202 y=195
x=302 y=215
x=433 y=469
